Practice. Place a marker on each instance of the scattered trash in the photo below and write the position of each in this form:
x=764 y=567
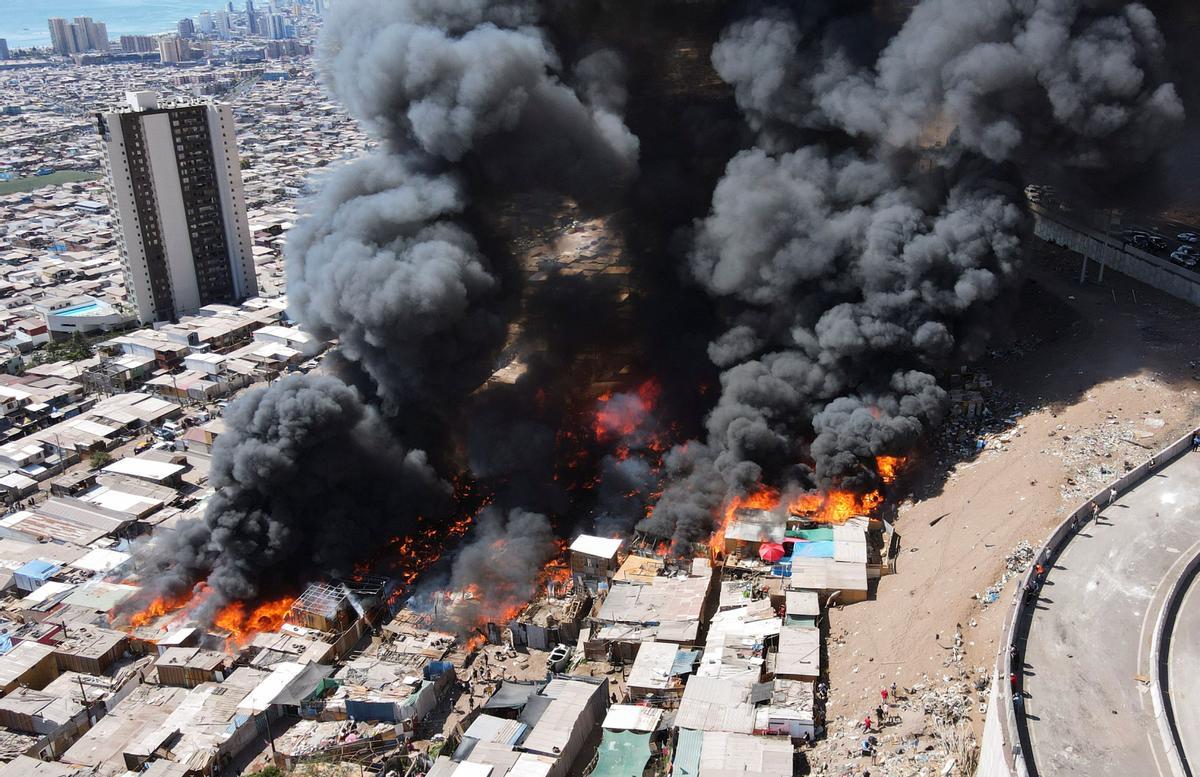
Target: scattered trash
x=1015 y=563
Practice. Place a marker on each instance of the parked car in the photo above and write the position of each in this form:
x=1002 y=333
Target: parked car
x=1188 y=237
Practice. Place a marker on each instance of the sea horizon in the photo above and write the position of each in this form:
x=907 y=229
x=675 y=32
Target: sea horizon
x=24 y=24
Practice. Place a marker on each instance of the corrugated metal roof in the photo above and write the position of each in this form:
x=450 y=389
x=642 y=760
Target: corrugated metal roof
x=652 y=667
x=717 y=704
x=726 y=753
x=632 y=717
x=489 y=728
x=687 y=753
x=799 y=652
x=802 y=603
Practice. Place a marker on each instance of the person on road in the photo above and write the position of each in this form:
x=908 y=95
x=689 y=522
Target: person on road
x=1095 y=510
x=1012 y=680
x=1112 y=495
x=1196 y=442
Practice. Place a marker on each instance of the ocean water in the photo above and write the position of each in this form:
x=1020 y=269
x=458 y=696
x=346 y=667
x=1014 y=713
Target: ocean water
x=23 y=22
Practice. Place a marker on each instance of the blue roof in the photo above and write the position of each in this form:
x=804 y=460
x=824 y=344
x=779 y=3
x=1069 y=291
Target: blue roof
x=38 y=569
x=687 y=753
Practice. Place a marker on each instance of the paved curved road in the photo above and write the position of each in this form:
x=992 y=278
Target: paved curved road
x=1087 y=698
x=1183 y=667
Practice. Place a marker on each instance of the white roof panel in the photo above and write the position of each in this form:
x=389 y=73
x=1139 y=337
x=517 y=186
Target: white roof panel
x=601 y=547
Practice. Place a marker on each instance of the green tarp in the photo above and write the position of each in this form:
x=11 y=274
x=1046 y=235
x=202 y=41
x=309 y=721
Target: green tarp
x=812 y=535
x=622 y=754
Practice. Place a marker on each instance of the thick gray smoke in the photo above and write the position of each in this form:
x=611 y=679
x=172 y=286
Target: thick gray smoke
x=1080 y=79
x=384 y=261
x=854 y=277
x=499 y=564
x=387 y=270
x=306 y=477
x=463 y=95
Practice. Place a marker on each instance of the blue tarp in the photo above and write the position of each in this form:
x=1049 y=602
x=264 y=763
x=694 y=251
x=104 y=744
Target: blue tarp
x=685 y=662
x=37 y=568
x=819 y=549
x=435 y=669
x=371 y=710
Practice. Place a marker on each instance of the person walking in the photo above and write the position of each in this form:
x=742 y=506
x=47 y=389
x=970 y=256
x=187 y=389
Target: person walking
x=1196 y=442
x=884 y=694
x=1112 y=495
x=1095 y=510
x=867 y=725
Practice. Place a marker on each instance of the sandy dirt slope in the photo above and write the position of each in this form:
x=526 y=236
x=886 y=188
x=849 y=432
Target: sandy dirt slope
x=1106 y=374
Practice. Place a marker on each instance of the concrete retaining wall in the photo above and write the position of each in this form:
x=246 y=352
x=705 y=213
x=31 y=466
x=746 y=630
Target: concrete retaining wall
x=1160 y=656
x=1111 y=252
x=1011 y=761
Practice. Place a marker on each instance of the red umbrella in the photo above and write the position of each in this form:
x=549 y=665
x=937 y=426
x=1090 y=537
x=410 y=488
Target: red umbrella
x=770 y=552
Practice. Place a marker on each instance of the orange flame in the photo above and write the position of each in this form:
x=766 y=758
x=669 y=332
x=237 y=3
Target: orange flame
x=158 y=608
x=765 y=498
x=621 y=416
x=243 y=625
x=835 y=506
x=888 y=467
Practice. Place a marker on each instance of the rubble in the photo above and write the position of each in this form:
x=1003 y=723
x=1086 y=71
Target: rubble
x=1015 y=563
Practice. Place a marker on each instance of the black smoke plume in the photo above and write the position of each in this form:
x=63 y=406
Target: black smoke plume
x=464 y=97
x=856 y=254
x=306 y=478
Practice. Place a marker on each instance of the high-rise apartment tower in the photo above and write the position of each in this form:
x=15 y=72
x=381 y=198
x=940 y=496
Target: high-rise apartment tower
x=176 y=189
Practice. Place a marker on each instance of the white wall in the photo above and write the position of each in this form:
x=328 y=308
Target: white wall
x=133 y=257
x=160 y=147
x=233 y=200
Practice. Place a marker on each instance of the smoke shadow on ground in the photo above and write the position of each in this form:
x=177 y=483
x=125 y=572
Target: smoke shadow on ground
x=1064 y=340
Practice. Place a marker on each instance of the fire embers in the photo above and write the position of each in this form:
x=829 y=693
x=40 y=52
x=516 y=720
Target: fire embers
x=499 y=567
x=307 y=478
x=627 y=427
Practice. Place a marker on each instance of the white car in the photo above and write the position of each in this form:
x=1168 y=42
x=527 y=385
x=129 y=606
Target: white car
x=1188 y=237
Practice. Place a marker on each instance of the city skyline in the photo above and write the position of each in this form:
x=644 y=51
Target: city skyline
x=22 y=29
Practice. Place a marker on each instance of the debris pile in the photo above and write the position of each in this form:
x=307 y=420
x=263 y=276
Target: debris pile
x=928 y=732
x=1015 y=563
